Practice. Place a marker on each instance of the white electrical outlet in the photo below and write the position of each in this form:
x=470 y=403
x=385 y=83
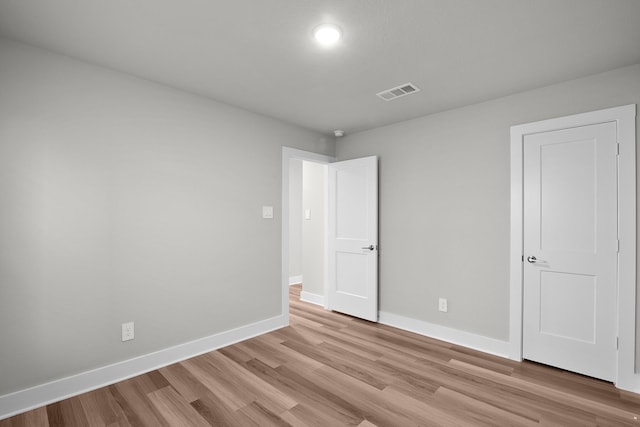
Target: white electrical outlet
x=442 y=304
x=127 y=331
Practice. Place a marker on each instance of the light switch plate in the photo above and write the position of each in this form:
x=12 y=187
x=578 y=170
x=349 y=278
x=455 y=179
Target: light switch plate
x=307 y=214
x=267 y=212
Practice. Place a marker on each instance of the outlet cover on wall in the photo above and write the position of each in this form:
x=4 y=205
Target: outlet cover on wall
x=127 y=331
x=442 y=304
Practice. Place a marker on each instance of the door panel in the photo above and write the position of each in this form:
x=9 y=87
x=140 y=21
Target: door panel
x=351 y=197
x=353 y=238
x=570 y=249
x=351 y=274
x=568 y=223
x=575 y=324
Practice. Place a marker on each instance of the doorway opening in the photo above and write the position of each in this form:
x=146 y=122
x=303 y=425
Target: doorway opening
x=307 y=229
x=296 y=166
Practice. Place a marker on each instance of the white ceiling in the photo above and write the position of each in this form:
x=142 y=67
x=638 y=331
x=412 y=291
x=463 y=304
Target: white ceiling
x=259 y=54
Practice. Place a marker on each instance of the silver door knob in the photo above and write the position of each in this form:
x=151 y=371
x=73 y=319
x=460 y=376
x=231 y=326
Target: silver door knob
x=533 y=260
x=370 y=247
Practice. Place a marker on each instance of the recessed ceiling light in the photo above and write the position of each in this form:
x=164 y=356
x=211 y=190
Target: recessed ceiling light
x=327 y=34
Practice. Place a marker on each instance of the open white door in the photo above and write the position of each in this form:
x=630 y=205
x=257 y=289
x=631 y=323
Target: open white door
x=353 y=238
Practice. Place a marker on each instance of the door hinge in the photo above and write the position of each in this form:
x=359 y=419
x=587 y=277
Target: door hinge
x=618 y=148
x=618 y=245
x=617 y=343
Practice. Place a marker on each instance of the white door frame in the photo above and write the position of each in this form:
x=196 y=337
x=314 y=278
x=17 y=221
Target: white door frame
x=289 y=154
x=624 y=116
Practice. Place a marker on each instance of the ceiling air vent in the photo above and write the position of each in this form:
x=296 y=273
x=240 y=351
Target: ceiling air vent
x=398 y=91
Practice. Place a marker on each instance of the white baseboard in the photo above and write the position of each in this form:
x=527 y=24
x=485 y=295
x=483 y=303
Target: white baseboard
x=295 y=280
x=444 y=333
x=35 y=397
x=312 y=298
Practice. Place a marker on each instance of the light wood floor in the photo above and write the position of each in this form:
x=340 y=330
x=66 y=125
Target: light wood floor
x=328 y=369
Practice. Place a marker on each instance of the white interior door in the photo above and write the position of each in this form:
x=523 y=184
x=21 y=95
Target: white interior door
x=570 y=249
x=353 y=238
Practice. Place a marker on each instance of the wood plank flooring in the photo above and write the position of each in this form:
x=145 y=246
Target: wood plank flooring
x=327 y=369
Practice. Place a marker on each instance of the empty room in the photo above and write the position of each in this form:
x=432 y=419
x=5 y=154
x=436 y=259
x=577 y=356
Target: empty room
x=319 y=213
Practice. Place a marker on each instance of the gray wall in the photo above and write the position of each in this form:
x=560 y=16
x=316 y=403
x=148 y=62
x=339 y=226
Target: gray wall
x=313 y=230
x=295 y=217
x=124 y=200
x=444 y=199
